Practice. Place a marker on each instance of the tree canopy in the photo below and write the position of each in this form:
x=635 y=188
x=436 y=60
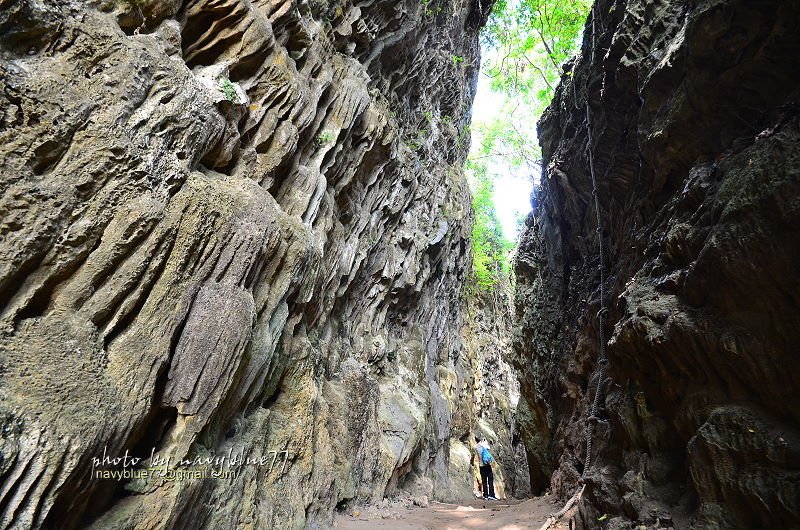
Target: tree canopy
x=530 y=40
x=525 y=43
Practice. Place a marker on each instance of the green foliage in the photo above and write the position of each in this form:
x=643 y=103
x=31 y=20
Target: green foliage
x=504 y=145
x=490 y=248
x=413 y=144
x=532 y=39
x=429 y=11
x=457 y=59
x=508 y=139
x=323 y=138
x=526 y=43
x=229 y=90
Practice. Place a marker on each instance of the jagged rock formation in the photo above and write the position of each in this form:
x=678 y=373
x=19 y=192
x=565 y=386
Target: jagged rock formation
x=230 y=227
x=696 y=129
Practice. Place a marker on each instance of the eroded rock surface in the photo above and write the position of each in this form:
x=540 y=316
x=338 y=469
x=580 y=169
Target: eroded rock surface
x=491 y=413
x=231 y=227
x=696 y=130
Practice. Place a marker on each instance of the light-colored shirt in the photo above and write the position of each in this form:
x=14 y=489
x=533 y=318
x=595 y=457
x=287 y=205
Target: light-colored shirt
x=478 y=449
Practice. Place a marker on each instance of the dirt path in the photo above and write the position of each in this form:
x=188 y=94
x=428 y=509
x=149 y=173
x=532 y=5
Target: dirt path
x=474 y=513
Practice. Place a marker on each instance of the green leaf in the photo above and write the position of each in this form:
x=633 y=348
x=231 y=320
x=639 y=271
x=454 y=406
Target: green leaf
x=490 y=248
x=531 y=40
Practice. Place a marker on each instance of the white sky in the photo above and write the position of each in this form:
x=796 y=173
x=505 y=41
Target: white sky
x=512 y=190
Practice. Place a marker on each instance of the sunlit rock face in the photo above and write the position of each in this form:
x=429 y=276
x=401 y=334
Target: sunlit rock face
x=491 y=413
x=231 y=229
x=696 y=141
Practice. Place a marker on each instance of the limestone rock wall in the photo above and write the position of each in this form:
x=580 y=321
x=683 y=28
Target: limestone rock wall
x=493 y=389
x=696 y=134
x=230 y=227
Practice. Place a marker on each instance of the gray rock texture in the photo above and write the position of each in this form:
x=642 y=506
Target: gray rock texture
x=696 y=134
x=232 y=228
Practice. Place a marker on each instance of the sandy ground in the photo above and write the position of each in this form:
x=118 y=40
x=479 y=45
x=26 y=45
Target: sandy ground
x=474 y=513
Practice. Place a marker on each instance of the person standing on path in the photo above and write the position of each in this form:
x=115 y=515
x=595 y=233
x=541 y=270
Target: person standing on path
x=485 y=460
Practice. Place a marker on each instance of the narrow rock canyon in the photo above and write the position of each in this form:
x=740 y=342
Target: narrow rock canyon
x=235 y=266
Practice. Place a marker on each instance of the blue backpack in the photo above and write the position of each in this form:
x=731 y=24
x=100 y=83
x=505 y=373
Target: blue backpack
x=486 y=456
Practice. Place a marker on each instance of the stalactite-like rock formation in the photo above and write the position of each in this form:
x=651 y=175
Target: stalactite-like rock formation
x=230 y=227
x=696 y=127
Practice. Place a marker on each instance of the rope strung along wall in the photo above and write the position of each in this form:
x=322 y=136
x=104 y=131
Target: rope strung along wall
x=602 y=361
